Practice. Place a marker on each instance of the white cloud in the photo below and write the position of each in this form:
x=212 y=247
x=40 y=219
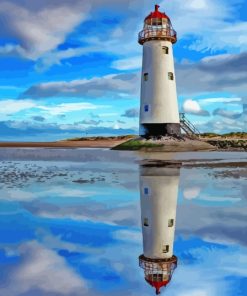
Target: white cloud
x=128 y=235
x=227 y=113
x=16 y=195
x=43 y=270
x=55 y=57
x=197 y=4
x=114 y=85
x=223 y=73
x=192 y=107
x=224 y=125
x=108 y=114
x=131 y=113
x=209 y=101
x=69 y=107
x=10 y=87
x=62 y=191
x=128 y=63
x=11 y=50
x=40 y=28
x=220 y=198
x=116 y=126
x=53 y=242
x=8 y=107
x=218 y=74
x=67 y=192
x=191 y=192
x=123 y=215
x=212 y=22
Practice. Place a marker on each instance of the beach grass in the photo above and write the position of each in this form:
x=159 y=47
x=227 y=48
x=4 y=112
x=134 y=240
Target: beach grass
x=136 y=145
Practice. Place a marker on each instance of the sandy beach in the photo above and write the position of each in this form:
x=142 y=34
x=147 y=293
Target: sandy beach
x=64 y=144
x=167 y=144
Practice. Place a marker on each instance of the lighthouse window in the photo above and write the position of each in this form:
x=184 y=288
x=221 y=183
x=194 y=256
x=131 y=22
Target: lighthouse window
x=156 y=22
x=165 y=249
x=145 y=222
x=145 y=76
x=146 y=108
x=170 y=222
x=165 y=49
x=146 y=191
x=158 y=277
x=164 y=21
x=170 y=76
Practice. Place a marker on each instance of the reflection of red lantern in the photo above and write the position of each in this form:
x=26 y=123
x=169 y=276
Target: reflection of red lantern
x=158 y=272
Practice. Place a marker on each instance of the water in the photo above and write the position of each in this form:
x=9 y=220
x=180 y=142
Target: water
x=71 y=222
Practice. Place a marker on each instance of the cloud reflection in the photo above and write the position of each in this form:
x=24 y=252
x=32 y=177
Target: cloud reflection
x=63 y=238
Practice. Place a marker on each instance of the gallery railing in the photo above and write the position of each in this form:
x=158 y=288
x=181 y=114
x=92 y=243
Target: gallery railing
x=160 y=34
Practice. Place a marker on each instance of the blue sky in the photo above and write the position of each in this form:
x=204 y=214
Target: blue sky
x=73 y=69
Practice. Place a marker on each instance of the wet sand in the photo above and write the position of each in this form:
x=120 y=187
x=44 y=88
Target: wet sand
x=113 y=142
x=64 y=144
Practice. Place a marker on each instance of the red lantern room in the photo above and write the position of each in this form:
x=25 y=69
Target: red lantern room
x=157 y=26
x=158 y=272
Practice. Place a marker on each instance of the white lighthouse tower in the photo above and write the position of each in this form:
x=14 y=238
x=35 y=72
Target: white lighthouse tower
x=158 y=190
x=159 y=113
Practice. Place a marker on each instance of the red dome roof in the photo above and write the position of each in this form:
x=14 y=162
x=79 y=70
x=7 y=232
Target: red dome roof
x=157 y=285
x=156 y=14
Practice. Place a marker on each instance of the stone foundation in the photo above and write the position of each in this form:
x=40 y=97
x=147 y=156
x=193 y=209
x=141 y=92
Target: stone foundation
x=160 y=129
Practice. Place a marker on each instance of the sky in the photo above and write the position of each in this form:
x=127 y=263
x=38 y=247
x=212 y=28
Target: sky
x=71 y=69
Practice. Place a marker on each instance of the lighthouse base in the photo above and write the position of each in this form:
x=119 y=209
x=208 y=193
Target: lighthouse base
x=160 y=129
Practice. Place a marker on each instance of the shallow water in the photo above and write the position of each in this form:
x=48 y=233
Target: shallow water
x=71 y=223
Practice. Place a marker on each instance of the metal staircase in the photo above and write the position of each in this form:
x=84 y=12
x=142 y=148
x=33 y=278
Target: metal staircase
x=188 y=127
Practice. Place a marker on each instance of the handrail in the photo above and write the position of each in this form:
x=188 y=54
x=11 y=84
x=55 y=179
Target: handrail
x=188 y=125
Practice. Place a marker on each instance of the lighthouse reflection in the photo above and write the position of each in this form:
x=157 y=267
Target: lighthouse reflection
x=158 y=194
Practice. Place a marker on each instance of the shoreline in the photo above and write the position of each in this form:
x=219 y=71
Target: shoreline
x=125 y=143
x=63 y=144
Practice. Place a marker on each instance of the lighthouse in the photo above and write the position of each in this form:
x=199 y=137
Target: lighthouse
x=159 y=115
x=158 y=191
